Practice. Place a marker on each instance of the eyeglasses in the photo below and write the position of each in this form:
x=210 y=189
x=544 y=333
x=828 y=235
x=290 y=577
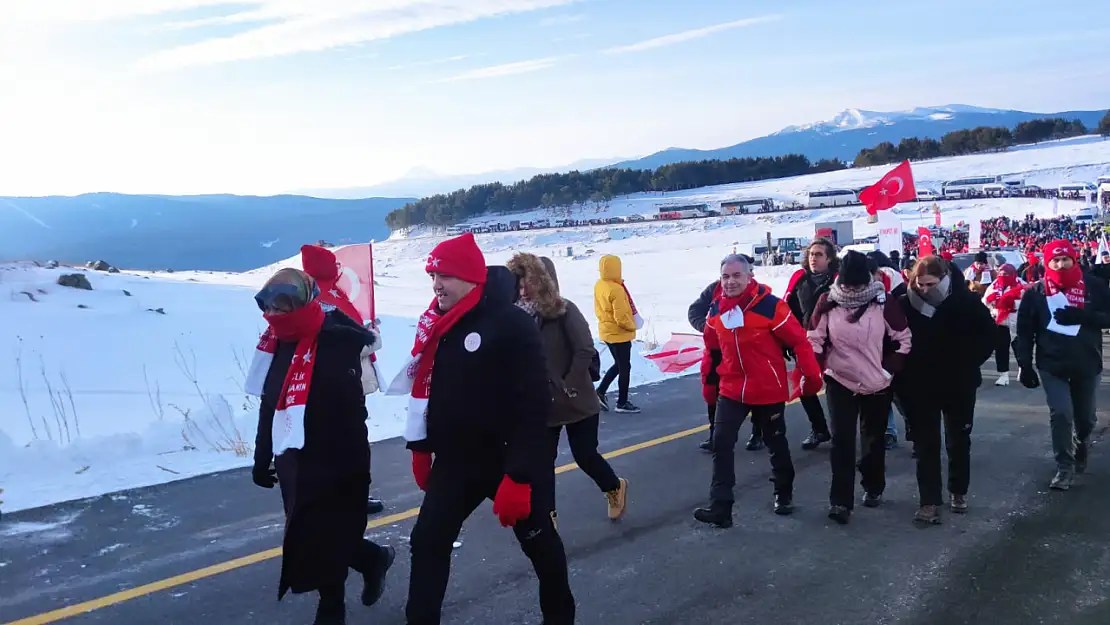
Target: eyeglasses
x=282 y=297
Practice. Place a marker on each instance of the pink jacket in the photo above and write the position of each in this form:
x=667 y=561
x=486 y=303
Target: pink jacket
x=861 y=355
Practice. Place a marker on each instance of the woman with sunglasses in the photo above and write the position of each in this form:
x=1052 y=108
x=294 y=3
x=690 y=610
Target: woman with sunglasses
x=312 y=426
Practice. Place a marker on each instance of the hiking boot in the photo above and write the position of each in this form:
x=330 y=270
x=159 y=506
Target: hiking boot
x=1061 y=481
x=927 y=515
x=374 y=505
x=373 y=582
x=617 y=500
x=891 y=441
x=1081 y=457
x=959 y=503
x=627 y=407
x=755 y=443
x=717 y=515
x=814 y=439
x=840 y=514
x=604 y=402
x=1003 y=379
x=872 y=500
x=706 y=445
x=784 y=504
x=330 y=614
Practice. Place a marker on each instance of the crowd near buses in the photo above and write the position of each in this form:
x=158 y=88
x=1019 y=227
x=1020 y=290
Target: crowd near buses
x=974 y=187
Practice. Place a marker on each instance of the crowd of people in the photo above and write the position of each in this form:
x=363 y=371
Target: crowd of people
x=1032 y=234
x=502 y=364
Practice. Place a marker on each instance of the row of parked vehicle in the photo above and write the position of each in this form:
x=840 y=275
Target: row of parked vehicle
x=969 y=188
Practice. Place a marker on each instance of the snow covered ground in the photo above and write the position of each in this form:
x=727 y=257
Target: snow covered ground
x=99 y=392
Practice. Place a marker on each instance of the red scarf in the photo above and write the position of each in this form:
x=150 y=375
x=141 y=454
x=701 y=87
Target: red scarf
x=332 y=295
x=631 y=303
x=303 y=326
x=726 y=303
x=1069 y=282
x=431 y=327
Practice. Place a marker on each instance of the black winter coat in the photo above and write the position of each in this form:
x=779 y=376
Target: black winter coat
x=948 y=348
x=803 y=299
x=1061 y=355
x=699 y=310
x=324 y=485
x=489 y=402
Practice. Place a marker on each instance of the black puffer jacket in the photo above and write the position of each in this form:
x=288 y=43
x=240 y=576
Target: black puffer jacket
x=1059 y=354
x=948 y=348
x=489 y=396
x=810 y=287
x=699 y=310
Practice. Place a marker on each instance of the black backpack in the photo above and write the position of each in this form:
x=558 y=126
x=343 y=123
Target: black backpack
x=595 y=364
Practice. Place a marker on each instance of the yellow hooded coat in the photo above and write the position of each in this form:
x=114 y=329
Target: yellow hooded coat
x=614 y=313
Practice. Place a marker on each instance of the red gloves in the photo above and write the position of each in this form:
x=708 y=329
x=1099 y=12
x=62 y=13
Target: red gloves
x=810 y=386
x=421 y=468
x=513 y=502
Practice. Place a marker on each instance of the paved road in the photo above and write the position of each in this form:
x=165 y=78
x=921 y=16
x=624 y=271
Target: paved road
x=1023 y=555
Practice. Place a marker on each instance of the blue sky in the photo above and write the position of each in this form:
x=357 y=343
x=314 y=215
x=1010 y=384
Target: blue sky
x=265 y=96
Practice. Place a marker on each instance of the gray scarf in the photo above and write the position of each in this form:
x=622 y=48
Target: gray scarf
x=850 y=297
x=527 y=306
x=927 y=303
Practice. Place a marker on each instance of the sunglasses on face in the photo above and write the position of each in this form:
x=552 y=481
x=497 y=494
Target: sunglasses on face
x=281 y=297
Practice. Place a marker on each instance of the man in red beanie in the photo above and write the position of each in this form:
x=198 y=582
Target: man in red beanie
x=1061 y=319
x=321 y=264
x=477 y=428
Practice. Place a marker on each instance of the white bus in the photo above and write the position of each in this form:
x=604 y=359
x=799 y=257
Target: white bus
x=687 y=211
x=963 y=187
x=832 y=197
x=1080 y=190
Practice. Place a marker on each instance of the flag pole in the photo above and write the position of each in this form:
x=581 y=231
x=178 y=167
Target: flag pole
x=373 y=296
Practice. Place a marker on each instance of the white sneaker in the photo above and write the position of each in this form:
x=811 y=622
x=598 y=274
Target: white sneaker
x=1003 y=380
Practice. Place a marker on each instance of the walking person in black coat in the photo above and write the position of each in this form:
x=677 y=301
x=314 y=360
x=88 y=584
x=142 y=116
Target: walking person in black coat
x=477 y=428
x=820 y=265
x=312 y=417
x=953 y=335
x=1060 y=320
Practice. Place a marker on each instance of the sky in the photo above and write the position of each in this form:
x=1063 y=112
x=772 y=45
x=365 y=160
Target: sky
x=268 y=96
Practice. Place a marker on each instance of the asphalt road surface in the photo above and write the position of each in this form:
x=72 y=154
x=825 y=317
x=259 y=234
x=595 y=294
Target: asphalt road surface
x=203 y=551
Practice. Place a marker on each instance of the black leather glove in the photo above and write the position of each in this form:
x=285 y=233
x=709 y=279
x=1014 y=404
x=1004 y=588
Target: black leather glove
x=264 y=475
x=1070 y=316
x=1028 y=377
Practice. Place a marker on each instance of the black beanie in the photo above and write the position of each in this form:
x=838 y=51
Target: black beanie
x=855 y=270
x=981 y=257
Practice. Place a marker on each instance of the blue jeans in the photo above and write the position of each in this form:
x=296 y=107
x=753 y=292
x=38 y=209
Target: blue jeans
x=891 y=429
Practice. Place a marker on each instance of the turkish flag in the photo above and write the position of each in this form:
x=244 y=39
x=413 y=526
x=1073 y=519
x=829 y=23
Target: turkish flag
x=893 y=188
x=356 y=277
x=924 y=243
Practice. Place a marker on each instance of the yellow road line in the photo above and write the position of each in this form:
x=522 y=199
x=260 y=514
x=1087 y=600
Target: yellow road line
x=76 y=609
x=85 y=607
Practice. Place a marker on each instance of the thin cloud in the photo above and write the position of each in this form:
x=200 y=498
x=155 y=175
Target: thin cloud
x=577 y=37
x=506 y=69
x=689 y=35
x=272 y=28
x=560 y=20
x=445 y=60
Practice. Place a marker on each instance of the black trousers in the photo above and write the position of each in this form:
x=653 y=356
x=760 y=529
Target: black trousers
x=956 y=408
x=815 y=413
x=456 y=487
x=582 y=437
x=1002 y=348
x=620 y=371
x=712 y=410
x=729 y=419
x=849 y=411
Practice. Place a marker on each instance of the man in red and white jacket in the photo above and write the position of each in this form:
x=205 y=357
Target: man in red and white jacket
x=752 y=328
x=1003 y=297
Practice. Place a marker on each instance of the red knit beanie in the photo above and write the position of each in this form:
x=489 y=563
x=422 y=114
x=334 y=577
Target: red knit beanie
x=320 y=263
x=946 y=255
x=1059 y=247
x=459 y=258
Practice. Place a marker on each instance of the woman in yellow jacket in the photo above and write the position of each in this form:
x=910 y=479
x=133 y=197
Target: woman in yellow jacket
x=616 y=322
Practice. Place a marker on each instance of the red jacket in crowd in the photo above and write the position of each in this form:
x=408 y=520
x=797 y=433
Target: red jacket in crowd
x=751 y=337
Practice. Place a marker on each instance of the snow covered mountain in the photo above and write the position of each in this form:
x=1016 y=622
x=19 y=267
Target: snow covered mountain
x=848 y=132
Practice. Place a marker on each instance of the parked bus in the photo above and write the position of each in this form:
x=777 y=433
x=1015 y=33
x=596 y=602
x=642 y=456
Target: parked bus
x=832 y=197
x=688 y=211
x=964 y=187
x=1078 y=190
x=746 y=206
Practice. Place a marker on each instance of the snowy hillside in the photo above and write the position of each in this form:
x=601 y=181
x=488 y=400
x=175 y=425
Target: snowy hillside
x=99 y=391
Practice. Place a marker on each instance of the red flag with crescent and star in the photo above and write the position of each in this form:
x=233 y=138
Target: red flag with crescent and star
x=924 y=242
x=356 y=277
x=892 y=189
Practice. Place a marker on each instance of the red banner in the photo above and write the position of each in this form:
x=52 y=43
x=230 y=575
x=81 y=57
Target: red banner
x=938 y=218
x=924 y=243
x=356 y=277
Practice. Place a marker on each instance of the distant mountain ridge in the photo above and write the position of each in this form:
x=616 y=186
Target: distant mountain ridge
x=848 y=132
x=203 y=232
